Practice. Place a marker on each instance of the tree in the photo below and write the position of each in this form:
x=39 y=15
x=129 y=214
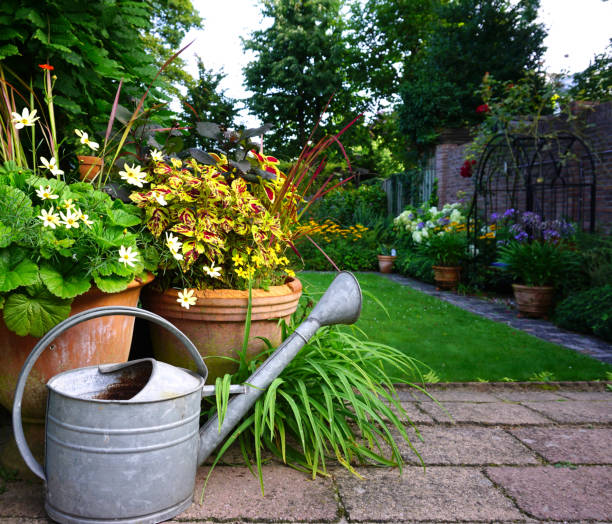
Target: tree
x=92 y=46
x=386 y=37
x=469 y=39
x=595 y=82
x=299 y=65
x=204 y=101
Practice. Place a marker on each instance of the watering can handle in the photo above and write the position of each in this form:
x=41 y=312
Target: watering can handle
x=58 y=330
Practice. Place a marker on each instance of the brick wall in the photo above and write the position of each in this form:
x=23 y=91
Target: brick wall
x=594 y=125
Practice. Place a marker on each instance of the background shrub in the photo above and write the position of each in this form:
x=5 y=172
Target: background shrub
x=588 y=311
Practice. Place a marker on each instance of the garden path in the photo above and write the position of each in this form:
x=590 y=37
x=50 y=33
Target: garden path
x=503 y=311
x=519 y=452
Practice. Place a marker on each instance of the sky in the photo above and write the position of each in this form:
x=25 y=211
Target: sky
x=577 y=30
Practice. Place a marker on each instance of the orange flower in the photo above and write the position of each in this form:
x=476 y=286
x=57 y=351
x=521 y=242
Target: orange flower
x=47 y=67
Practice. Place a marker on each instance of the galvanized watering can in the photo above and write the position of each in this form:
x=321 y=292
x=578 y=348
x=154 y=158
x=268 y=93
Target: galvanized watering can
x=123 y=442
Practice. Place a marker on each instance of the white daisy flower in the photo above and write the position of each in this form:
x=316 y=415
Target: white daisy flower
x=160 y=198
x=212 y=271
x=133 y=175
x=51 y=165
x=24 y=119
x=85 y=140
x=126 y=256
x=186 y=298
x=173 y=242
x=157 y=156
x=70 y=219
x=45 y=193
x=49 y=218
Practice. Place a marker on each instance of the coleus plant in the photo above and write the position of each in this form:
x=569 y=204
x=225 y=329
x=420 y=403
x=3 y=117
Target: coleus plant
x=57 y=240
x=215 y=231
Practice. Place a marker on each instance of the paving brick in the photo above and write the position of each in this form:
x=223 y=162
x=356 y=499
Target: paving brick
x=564 y=494
x=527 y=395
x=413 y=412
x=575 y=411
x=467 y=446
x=234 y=493
x=588 y=395
x=484 y=413
x=439 y=493
x=575 y=445
x=22 y=499
x=449 y=395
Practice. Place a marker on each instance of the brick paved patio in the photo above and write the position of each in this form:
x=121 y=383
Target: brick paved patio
x=512 y=453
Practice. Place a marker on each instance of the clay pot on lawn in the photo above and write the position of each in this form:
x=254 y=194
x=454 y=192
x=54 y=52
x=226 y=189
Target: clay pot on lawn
x=447 y=277
x=534 y=301
x=385 y=263
x=215 y=324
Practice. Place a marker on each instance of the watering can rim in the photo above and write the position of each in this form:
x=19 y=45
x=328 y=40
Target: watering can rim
x=55 y=378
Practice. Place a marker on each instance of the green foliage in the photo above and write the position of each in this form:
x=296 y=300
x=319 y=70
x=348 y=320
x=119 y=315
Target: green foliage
x=595 y=82
x=445 y=248
x=538 y=263
x=468 y=39
x=45 y=264
x=335 y=400
x=588 y=311
x=385 y=37
x=415 y=264
x=353 y=248
x=92 y=45
x=348 y=206
x=299 y=65
x=209 y=103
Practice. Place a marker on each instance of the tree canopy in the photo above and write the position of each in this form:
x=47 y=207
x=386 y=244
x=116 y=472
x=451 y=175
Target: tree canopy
x=300 y=63
x=92 y=46
x=468 y=39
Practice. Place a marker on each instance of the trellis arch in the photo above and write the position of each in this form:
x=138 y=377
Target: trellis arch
x=551 y=176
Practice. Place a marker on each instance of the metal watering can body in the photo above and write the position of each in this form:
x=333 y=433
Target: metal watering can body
x=123 y=440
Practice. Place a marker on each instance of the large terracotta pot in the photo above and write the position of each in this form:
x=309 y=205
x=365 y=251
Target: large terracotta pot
x=447 y=277
x=534 y=301
x=89 y=166
x=385 y=263
x=215 y=324
x=97 y=341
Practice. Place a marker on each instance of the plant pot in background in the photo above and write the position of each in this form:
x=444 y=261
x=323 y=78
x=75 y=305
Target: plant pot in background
x=385 y=263
x=534 y=301
x=447 y=277
x=89 y=167
x=98 y=341
x=215 y=324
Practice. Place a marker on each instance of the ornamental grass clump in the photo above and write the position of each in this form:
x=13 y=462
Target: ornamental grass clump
x=335 y=401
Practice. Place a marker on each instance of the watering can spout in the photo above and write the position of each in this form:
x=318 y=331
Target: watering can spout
x=340 y=304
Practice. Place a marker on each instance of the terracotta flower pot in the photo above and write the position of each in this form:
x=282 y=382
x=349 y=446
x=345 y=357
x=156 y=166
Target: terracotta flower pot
x=385 y=263
x=98 y=341
x=447 y=277
x=215 y=324
x=89 y=166
x=534 y=301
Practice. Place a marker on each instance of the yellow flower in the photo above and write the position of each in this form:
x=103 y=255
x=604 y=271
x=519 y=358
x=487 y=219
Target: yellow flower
x=237 y=259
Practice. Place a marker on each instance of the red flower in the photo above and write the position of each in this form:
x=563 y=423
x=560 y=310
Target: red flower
x=47 y=67
x=484 y=108
x=466 y=168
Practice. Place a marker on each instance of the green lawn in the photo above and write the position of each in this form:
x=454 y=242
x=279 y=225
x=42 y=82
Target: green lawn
x=456 y=344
